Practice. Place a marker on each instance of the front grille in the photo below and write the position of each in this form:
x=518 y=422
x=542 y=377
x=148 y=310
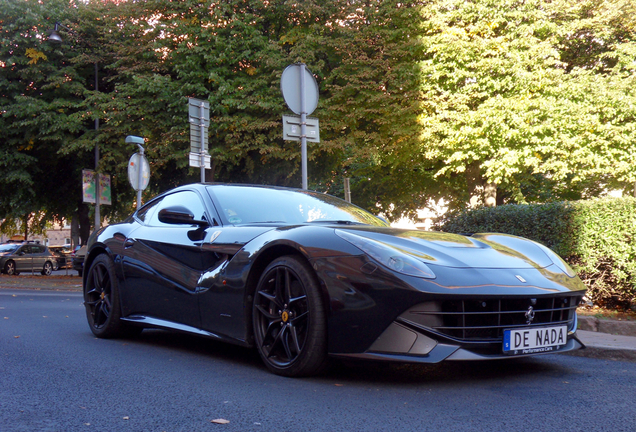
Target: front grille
x=484 y=320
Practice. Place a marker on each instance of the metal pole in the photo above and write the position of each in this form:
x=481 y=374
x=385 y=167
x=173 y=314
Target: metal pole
x=202 y=125
x=140 y=166
x=98 y=220
x=303 y=126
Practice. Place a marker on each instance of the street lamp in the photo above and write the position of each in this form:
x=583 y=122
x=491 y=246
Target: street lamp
x=54 y=37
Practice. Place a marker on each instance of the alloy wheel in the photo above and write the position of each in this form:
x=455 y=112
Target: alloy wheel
x=281 y=316
x=48 y=269
x=98 y=298
x=9 y=268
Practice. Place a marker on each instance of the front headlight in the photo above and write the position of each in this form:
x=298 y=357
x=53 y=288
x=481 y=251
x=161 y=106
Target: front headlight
x=558 y=261
x=389 y=256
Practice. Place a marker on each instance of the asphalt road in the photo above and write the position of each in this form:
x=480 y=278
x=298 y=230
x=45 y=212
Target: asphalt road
x=55 y=376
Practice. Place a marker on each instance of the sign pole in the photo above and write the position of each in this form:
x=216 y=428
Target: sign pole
x=300 y=92
x=203 y=131
x=303 y=126
x=199 y=119
x=139 y=175
x=140 y=164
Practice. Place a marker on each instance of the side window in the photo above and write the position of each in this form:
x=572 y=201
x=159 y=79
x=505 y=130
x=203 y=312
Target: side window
x=146 y=211
x=35 y=249
x=187 y=199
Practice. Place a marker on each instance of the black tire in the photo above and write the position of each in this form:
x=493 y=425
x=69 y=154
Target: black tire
x=288 y=317
x=9 y=268
x=47 y=269
x=101 y=298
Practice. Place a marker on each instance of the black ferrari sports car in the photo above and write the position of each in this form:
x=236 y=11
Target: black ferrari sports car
x=304 y=276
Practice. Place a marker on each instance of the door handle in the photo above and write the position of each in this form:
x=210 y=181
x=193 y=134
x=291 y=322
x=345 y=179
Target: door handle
x=129 y=243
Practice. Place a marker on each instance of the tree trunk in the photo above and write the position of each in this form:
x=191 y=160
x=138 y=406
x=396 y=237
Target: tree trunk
x=479 y=190
x=75 y=238
x=26 y=227
x=84 y=223
x=209 y=173
x=490 y=194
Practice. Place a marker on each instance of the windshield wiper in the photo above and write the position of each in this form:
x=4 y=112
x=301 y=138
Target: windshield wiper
x=338 y=222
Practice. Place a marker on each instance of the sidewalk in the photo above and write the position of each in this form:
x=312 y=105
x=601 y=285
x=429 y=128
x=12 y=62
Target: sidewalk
x=607 y=338
x=604 y=338
x=72 y=282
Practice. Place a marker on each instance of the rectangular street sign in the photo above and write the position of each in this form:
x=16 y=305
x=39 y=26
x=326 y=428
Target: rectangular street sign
x=291 y=128
x=195 y=139
x=195 y=160
x=199 y=119
x=195 y=114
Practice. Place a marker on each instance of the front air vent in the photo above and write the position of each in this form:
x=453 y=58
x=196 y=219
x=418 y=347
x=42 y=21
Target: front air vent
x=484 y=320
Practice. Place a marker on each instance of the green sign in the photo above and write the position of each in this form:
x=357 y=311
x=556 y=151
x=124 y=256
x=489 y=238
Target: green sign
x=88 y=188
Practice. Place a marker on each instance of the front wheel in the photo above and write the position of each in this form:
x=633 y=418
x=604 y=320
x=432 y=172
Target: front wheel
x=9 y=268
x=47 y=269
x=101 y=298
x=289 y=319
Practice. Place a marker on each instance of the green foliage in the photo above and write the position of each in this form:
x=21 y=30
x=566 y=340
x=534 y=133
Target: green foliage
x=38 y=115
x=418 y=100
x=597 y=237
x=538 y=95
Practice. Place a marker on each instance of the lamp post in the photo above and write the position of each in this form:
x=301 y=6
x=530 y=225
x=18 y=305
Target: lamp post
x=54 y=37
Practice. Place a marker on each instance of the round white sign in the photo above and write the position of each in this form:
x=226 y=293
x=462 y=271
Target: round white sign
x=136 y=162
x=290 y=87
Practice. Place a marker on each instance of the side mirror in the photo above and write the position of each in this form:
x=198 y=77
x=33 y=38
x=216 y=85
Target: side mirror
x=179 y=215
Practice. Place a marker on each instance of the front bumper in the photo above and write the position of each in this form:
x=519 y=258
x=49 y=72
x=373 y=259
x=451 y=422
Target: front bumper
x=407 y=344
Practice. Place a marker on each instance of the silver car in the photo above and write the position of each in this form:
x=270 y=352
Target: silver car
x=16 y=257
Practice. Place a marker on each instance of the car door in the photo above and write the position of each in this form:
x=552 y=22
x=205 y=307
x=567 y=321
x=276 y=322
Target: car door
x=23 y=258
x=162 y=263
x=38 y=257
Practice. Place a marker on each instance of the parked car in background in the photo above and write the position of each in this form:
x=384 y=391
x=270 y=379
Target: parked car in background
x=16 y=258
x=62 y=255
x=78 y=259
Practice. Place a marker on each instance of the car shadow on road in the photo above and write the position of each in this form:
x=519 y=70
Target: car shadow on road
x=360 y=371
x=445 y=372
x=197 y=345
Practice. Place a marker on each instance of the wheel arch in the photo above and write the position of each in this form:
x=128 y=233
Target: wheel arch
x=95 y=251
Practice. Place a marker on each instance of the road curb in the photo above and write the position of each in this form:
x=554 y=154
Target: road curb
x=610 y=326
x=615 y=354
x=606 y=346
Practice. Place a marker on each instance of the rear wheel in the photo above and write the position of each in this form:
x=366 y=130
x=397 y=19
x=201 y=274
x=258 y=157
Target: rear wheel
x=289 y=319
x=101 y=298
x=47 y=269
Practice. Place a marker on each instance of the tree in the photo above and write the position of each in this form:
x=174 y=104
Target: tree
x=366 y=54
x=418 y=100
x=509 y=95
x=41 y=108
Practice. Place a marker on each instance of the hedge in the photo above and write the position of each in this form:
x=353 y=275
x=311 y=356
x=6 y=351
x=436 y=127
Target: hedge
x=596 y=237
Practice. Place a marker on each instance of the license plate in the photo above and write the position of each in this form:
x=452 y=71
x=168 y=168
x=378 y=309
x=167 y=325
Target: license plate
x=534 y=340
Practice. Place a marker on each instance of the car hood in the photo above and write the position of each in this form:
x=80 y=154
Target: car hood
x=487 y=251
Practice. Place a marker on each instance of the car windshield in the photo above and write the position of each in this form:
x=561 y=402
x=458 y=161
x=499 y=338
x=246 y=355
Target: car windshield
x=8 y=247
x=246 y=205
